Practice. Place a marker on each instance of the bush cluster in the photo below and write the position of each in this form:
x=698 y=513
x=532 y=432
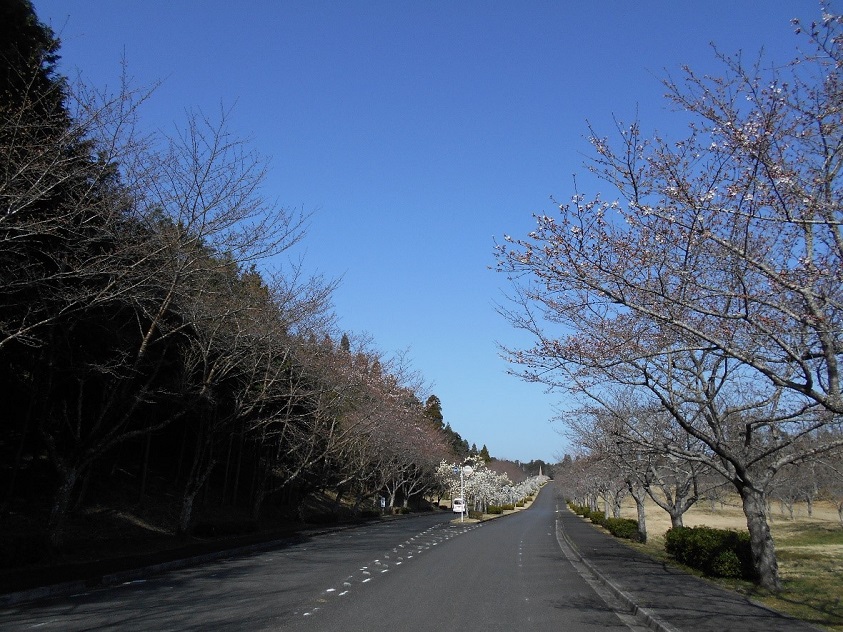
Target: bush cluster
x=494 y=509
x=597 y=517
x=580 y=510
x=715 y=552
x=626 y=528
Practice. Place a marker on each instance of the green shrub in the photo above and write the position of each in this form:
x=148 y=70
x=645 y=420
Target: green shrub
x=580 y=510
x=508 y=507
x=626 y=528
x=726 y=564
x=597 y=517
x=494 y=509
x=715 y=552
x=475 y=515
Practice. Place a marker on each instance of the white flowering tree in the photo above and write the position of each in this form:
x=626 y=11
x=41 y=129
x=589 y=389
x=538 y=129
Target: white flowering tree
x=446 y=481
x=483 y=486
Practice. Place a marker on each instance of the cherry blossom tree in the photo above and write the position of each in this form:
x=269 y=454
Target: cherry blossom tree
x=721 y=257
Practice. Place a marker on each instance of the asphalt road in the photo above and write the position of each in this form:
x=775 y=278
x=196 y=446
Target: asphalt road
x=417 y=573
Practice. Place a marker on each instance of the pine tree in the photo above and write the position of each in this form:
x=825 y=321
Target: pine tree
x=28 y=60
x=433 y=411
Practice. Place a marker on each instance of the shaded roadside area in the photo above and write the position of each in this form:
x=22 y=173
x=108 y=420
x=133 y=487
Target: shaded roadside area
x=19 y=585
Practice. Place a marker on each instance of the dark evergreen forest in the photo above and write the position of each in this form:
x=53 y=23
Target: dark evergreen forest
x=161 y=373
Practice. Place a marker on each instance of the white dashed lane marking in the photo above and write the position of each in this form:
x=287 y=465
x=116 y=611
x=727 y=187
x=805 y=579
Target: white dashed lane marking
x=415 y=545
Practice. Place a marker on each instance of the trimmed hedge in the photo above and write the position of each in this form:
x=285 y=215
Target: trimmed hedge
x=715 y=552
x=626 y=528
x=580 y=510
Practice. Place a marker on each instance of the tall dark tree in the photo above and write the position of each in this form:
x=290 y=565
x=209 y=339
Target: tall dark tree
x=433 y=411
x=28 y=59
x=39 y=155
x=98 y=270
x=484 y=454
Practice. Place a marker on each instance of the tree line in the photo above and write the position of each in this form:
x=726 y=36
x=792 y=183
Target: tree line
x=695 y=314
x=151 y=343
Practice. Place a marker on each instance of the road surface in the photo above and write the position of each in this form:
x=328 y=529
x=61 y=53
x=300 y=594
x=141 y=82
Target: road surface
x=417 y=573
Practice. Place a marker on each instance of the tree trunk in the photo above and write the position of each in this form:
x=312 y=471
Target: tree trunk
x=789 y=506
x=58 y=511
x=200 y=470
x=258 y=487
x=236 y=487
x=83 y=489
x=763 y=548
x=642 y=519
x=21 y=445
x=186 y=513
x=227 y=468
x=676 y=520
x=616 y=505
x=144 y=468
x=638 y=494
x=192 y=489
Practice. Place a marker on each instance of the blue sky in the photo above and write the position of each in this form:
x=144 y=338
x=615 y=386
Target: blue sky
x=417 y=133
